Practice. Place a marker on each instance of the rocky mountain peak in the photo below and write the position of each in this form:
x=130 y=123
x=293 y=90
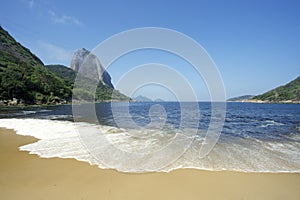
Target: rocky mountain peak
x=89 y=65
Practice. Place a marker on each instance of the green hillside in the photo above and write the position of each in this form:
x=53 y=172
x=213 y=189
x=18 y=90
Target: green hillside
x=13 y=52
x=85 y=85
x=25 y=80
x=24 y=77
x=288 y=92
x=241 y=98
x=65 y=73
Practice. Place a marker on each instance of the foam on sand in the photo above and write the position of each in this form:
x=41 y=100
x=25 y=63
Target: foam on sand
x=61 y=139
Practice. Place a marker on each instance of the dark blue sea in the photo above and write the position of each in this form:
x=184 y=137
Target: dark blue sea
x=156 y=136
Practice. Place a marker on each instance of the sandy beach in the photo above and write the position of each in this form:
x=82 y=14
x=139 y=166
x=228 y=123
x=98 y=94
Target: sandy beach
x=25 y=176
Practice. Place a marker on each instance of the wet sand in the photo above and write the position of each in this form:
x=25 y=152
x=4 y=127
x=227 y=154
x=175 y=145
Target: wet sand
x=25 y=176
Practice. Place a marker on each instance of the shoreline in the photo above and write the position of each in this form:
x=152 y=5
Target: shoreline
x=26 y=176
x=265 y=102
x=133 y=101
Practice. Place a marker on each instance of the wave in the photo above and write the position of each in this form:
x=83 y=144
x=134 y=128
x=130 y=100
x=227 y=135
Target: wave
x=61 y=139
x=26 y=113
x=271 y=123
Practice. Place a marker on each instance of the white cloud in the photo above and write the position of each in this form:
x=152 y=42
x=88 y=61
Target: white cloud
x=63 y=19
x=53 y=54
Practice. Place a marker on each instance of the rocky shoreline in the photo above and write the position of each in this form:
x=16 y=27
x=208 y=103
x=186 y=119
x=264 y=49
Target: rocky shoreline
x=20 y=102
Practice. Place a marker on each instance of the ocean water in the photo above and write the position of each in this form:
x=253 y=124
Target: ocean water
x=254 y=138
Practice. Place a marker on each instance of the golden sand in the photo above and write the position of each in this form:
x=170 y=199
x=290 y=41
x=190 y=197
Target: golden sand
x=24 y=176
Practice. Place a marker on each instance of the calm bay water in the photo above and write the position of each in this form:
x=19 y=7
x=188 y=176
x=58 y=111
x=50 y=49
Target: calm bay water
x=255 y=137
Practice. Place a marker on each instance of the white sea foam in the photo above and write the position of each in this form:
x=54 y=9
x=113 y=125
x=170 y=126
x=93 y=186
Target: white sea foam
x=56 y=138
x=28 y=112
x=271 y=123
x=61 y=139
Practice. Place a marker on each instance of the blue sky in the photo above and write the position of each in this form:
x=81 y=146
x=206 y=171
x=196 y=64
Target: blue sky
x=255 y=44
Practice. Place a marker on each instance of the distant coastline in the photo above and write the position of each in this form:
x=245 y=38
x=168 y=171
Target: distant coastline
x=286 y=94
x=265 y=102
x=261 y=101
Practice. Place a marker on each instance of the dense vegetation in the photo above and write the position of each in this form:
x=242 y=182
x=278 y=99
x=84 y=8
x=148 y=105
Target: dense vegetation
x=24 y=77
x=241 y=98
x=65 y=73
x=13 y=52
x=85 y=86
x=288 y=92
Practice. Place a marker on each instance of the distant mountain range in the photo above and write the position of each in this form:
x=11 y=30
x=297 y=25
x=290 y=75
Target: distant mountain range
x=159 y=100
x=141 y=98
x=24 y=79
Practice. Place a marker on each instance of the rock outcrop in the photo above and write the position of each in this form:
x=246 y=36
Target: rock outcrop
x=89 y=66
